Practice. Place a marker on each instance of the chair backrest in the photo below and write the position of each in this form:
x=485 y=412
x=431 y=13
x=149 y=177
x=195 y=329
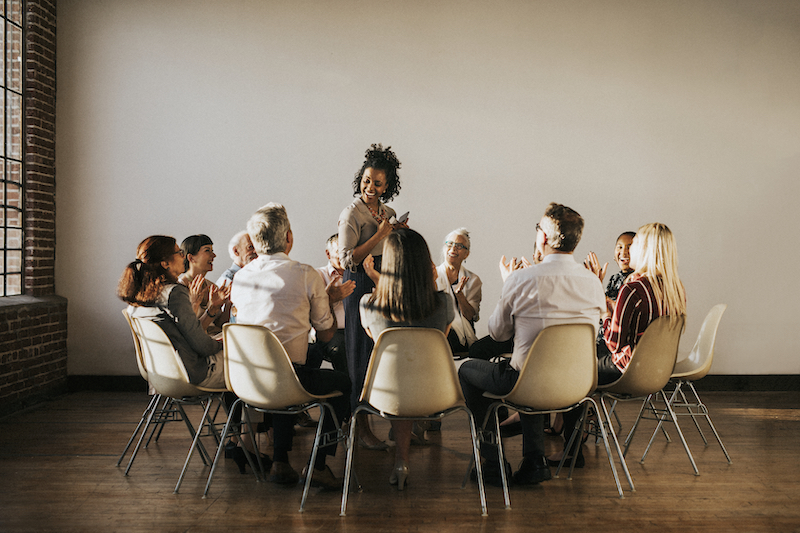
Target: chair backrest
x=652 y=360
x=698 y=363
x=411 y=373
x=258 y=369
x=136 y=345
x=560 y=370
x=164 y=367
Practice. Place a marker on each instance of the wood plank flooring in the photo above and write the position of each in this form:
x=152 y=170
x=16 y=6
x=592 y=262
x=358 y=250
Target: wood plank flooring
x=57 y=465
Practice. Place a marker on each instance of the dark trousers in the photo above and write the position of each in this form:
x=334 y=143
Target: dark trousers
x=607 y=372
x=334 y=351
x=315 y=381
x=477 y=377
x=488 y=348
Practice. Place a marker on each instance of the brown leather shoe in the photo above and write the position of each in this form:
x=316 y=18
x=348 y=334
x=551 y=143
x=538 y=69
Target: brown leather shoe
x=283 y=473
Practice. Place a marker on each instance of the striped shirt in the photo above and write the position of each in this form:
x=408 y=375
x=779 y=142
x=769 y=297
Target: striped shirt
x=636 y=307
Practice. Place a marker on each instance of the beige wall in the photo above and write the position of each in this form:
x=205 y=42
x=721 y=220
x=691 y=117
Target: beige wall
x=183 y=117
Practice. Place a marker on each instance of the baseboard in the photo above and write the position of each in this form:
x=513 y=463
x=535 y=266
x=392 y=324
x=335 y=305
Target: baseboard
x=732 y=383
x=757 y=382
x=106 y=383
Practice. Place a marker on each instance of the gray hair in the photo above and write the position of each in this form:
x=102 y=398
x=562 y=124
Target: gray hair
x=234 y=243
x=450 y=236
x=268 y=228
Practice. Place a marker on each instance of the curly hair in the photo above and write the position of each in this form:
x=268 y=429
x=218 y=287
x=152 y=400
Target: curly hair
x=384 y=159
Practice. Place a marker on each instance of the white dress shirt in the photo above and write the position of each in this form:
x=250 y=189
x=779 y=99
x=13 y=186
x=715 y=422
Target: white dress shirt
x=556 y=291
x=286 y=296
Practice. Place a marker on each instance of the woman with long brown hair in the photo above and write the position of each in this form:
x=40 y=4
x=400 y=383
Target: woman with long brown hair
x=405 y=297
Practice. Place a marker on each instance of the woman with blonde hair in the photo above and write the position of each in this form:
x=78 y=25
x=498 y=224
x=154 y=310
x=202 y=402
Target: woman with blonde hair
x=653 y=290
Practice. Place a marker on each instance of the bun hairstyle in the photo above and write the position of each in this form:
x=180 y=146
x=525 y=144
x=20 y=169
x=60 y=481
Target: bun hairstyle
x=144 y=278
x=380 y=158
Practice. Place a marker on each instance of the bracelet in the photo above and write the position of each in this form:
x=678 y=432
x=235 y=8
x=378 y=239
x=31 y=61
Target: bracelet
x=208 y=312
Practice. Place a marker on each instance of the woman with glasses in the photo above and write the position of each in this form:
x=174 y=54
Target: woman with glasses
x=150 y=285
x=463 y=287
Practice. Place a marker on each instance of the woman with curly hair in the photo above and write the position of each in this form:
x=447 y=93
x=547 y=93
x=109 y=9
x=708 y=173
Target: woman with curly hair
x=363 y=228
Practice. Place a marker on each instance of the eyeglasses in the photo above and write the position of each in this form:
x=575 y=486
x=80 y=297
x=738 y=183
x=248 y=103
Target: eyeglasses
x=179 y=252
x=457 y=245
x=539 y=228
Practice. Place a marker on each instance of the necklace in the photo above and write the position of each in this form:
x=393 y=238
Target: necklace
x=379 y=215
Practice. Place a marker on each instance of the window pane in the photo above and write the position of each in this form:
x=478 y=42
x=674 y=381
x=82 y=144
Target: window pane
x=2 y=262
x=13 y=219
x=14 y=284
x=14 y=126
x=14 y=169
x=14 y=11
x=14 y=241
x=14 y=58
x=3 y=121
x=13 y=196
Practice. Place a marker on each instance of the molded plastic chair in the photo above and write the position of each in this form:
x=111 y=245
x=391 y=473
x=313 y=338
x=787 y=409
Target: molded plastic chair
x=411 y=376
x=168 y=376
x=558 y=375
x=258 y=370
x=688 y=370
x=144 y=421
x=649 y=370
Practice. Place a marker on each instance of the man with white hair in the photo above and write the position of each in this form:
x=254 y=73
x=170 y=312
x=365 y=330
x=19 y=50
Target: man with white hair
x=289 y=298
x=241 y=250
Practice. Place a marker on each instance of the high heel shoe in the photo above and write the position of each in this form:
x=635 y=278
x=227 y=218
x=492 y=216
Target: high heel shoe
x=399 y=475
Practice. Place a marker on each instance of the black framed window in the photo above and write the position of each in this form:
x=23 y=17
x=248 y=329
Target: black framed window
x=12 y=186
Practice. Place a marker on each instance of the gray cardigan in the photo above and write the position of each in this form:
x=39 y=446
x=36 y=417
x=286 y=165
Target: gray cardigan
x=173 y=313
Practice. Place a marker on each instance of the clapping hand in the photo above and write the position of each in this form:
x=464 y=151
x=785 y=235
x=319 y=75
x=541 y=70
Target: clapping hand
x=336 y=291
x=593 y=264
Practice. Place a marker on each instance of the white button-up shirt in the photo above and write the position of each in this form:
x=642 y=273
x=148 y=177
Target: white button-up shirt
x=556 y=291
x=286 y=296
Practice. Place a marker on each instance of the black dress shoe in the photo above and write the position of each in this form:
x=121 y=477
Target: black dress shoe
x=491 y=473
x=532 y=470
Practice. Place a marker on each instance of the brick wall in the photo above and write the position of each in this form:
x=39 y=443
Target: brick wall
x=33 y=327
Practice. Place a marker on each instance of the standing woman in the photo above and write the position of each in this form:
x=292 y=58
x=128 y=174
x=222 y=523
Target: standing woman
x=406 y=296
x=653 y=290
x=198 y=253
x=363 y=227
x=463 y=287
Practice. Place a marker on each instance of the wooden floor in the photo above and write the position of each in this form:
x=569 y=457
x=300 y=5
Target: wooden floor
x=57 y=468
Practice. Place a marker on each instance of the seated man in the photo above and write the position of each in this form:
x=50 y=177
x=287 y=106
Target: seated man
x=242 y=252
x=289 y=298
x=558 y=290
x=333 y=351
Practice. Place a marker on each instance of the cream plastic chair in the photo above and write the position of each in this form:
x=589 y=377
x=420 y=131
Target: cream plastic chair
x=258 y=370
x=411 y=376
x=168 y=376
x=649 y=370
x=144 y=421
x=688 y=370
x=558 y=375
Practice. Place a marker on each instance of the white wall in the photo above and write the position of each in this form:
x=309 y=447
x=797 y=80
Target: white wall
x=183 y=117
